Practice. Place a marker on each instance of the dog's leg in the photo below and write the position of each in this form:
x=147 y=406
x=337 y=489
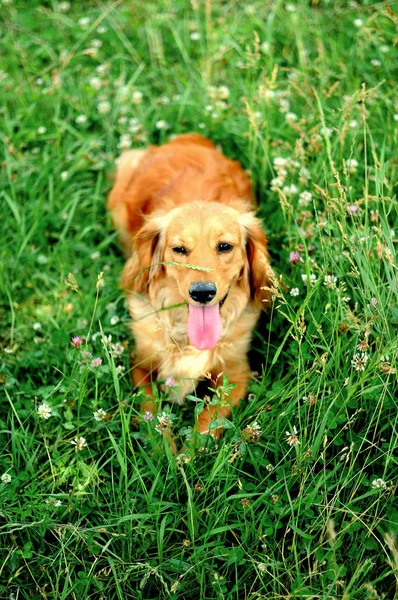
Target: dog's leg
x=210 y=413
x=142 y=378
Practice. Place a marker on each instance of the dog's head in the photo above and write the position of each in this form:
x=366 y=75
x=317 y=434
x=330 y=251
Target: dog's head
x=213 y=253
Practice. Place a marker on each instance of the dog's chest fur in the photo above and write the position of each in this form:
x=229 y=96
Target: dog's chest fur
x=164 y=344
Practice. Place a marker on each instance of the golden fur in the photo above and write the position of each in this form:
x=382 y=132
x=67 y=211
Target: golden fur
x=187 y=194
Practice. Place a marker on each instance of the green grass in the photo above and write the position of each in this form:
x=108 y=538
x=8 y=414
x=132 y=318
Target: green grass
x=122 y=517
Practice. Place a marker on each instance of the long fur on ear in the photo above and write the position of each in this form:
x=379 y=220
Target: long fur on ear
x=258 y=271
x=143 y=266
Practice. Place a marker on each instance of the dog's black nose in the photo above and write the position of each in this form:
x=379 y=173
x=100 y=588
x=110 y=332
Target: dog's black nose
x=202 y=291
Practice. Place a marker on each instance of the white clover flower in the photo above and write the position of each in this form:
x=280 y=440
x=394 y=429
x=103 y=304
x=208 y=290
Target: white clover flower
x=353 y=124
x=102 y=69
x=63 y=6
x=222 y=105
x=265 y=47
x=262 y=567
x=56 y=502
x=375 y=62
x=290 y=190
x=269 y=94
x=195 y=36
x=36 y=326
x=326 y=131
x=161 y=124
x=39 y=81
x=294 y=292
x=79 y=443
x=6 y=478
x=64 y=175
x=384 y=48
x=104 y=107
x=312 y=278
x=310 y=399
x=41 y=130
x=120 y=369
x=252 y=433
x=358 y=23
x=212 y=91
x=351 y=165
x=80 y=119
x=115 y=320
x=134 y=125
x=330 y=281
x=44 y=410
x=100 y=415
x=96 y=43
x=223 y=92
x=359 y=361
x=284 y=105
x=290 y=7
x=125 y=141
x=164 y=422
x=281 y=163
x=292 y=437
x=102 y=29
x=117 y=349
x=305 y=198
x=277 y=183
x=379 y=483
x=95 y=83
x=291 y=117
x=94 y=255
x=107 y=339
x=84 y=22
x=136 y=97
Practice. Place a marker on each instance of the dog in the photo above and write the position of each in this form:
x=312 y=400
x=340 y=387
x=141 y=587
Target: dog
x=197 y=273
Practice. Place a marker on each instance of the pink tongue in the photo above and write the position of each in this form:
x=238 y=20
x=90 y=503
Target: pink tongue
x=204 y=326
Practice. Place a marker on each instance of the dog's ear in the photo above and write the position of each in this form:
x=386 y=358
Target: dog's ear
x=257 y=272
x=143 y=266
x=123 y=203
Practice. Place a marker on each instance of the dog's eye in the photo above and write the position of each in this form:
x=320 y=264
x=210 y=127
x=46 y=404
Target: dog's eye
x=180 y=250
x=224 y=247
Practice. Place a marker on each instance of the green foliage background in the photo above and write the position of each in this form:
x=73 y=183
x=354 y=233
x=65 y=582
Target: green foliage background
x=311 y=82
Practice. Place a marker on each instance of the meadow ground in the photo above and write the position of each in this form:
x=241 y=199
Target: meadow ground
x=297 y=498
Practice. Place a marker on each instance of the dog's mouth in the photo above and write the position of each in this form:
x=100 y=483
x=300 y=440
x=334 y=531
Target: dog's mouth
x=204 y=325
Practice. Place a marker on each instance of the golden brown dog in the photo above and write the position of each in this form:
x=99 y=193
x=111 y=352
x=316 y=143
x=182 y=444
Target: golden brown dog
x=180 y=206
